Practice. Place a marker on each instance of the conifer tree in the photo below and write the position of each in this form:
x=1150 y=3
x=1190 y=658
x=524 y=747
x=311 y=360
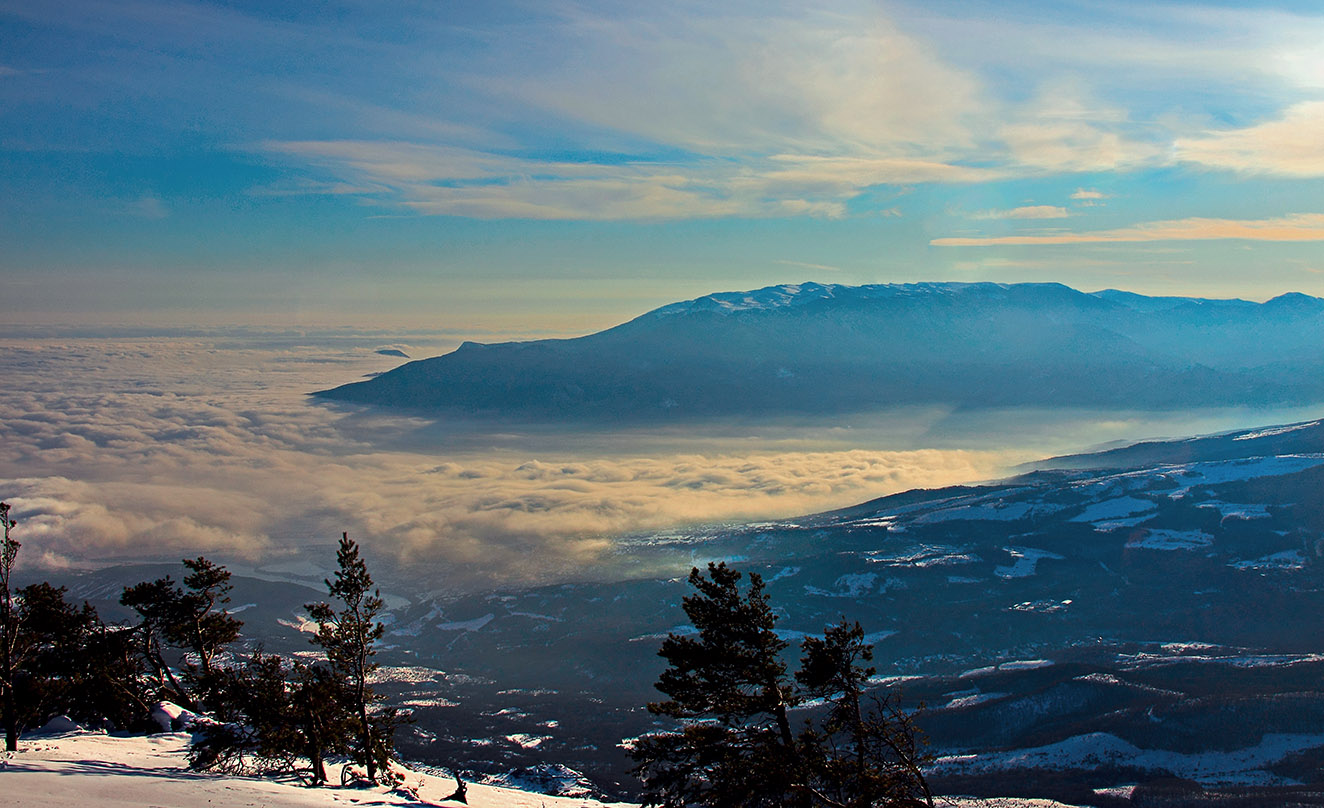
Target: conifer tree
x=10 y=634
x=204 y=627
x=158 y=604
x=729 y=693
x=727 y=686
x=866 y=751
x=349 y=636
x=192 y=619
x=74 y=664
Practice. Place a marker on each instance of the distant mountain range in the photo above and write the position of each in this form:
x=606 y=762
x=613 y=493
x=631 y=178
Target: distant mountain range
x=825 y=348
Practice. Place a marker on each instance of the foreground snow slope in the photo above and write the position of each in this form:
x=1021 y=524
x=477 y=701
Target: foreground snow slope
x=94 y=769
x=102 y=771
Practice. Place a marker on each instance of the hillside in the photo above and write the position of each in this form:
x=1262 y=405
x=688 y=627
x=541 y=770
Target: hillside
x=1127 y=617
x=821 y=349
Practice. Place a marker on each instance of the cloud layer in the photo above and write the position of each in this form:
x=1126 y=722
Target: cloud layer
x=156 y=449
x=1294 y=228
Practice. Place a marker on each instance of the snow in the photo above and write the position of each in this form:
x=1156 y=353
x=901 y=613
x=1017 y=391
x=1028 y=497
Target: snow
x=1155 y=539
x=526 y=740
x=971 y=700
x=1025 y=664
x=923 y=557
x=1286 y=560
x=1277 y=430
x=1237 y=511
x=851 y=585
x=995 y=510
x=1013 y=665
x=1228 y=471
x=1025 y=560
x=1116 y=508
x=466 y=625
x=107 y=771
x=87 y=768
x=1098 y=750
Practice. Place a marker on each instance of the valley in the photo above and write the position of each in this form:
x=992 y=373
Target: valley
x=1090 y=624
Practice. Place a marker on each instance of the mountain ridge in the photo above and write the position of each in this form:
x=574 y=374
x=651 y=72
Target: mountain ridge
x=830 y=349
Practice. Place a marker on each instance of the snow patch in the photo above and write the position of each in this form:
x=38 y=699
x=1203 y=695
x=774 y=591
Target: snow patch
x=1025 y=560
x=1286 y=560
x=1167 y=540
x=1097 y=750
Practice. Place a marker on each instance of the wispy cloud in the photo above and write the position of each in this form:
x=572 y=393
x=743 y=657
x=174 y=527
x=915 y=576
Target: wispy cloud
x=1296 y=227
x=1088 y=195
x=1024 y=212
x=1291 y=146
x=147 y=206
x=446 y=180
x=807 y=265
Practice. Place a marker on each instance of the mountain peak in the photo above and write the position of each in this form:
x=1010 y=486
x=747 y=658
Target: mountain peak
x=791 y=295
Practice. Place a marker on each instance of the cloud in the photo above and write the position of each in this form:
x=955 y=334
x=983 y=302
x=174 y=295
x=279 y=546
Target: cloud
x=152 y=449
x=1088 y=194
x=1064 y=129
x=454 y=181
x=1288 y=147
x=1025 y=212
x=147 y=206
x=1295 y=227
x=737 y=80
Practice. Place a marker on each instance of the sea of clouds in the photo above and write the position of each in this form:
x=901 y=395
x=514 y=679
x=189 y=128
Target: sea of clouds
x=116 y=449
x=152 y=448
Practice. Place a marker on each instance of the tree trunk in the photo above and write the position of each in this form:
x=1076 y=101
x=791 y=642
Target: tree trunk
x=11 y=720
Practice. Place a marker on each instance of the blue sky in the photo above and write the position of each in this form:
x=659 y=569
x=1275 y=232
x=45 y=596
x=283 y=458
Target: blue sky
x=559 y=167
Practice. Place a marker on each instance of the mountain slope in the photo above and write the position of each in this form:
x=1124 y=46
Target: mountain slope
x=814 y=348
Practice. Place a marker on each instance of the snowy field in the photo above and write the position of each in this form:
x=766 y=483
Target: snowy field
x=92 y=768
x=95 y=769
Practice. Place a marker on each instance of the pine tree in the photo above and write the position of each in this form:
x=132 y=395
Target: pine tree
x=349 y=636
x=158 y=604
x=271 y=714
x=862 y=754
x=728 y=691
x=727 y=686
x=192 y=619
x=11 y=650
x=204 y=627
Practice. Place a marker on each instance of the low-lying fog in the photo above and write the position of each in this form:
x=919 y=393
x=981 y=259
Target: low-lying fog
x=118 y=448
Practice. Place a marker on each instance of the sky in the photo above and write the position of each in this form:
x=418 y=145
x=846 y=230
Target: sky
x=557 y=167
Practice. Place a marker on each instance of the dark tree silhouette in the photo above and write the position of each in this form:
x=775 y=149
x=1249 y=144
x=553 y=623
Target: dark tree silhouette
x=272 y=713
x=727 y=687
x=729 y=693
x=11 y=651
x=192 y=619
x=866 y=751
x=349 y=636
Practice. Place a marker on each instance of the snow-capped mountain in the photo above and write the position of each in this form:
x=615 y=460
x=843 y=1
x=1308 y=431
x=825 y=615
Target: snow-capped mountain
x=816 y=348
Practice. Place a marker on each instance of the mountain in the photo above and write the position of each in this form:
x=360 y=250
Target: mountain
x=817 y=349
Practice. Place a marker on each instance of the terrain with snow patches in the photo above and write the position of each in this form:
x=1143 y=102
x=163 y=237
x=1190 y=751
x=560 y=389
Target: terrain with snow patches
x=1092 y=629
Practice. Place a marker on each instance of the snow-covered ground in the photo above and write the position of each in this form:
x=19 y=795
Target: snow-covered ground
x=95 y=769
